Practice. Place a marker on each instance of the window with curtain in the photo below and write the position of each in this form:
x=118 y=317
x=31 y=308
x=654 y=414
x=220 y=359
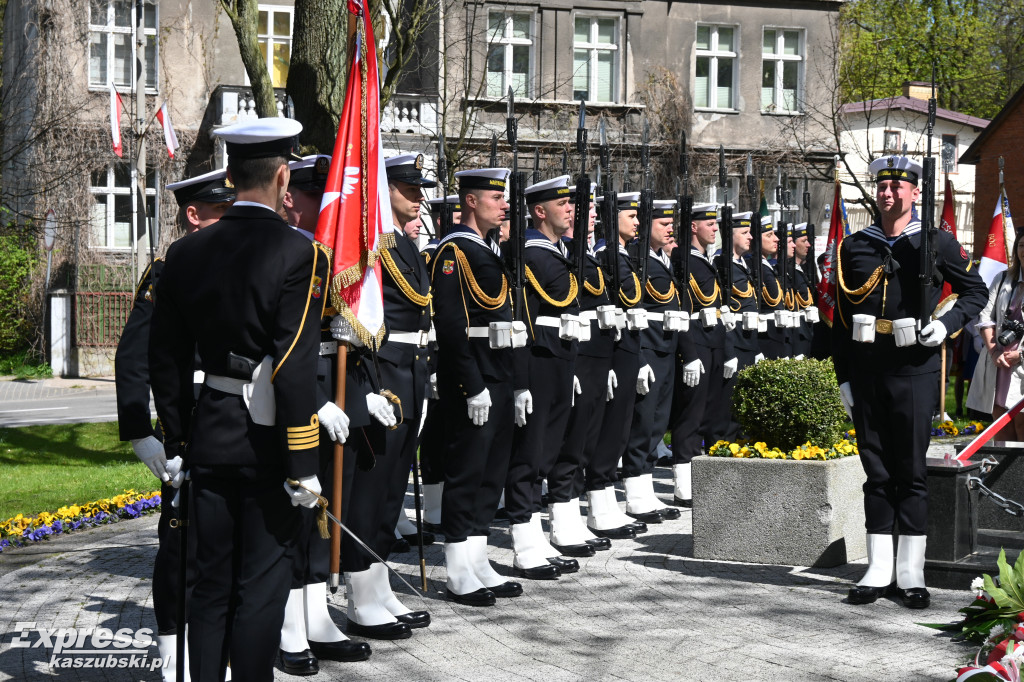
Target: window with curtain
x=274 y=32
x=781 y=70
x=509 y=53
x=715 y=82
x=111 y=190
x=595 y=59
x=112 y=54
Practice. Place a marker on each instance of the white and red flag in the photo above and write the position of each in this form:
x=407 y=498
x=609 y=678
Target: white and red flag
x=356 y=210
x=170 y=138
x=116 y=109
x=995 y=257
x=948 y=223
x=828 y=284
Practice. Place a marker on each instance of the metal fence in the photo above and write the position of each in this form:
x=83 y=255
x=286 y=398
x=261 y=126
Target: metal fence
x=100 y=316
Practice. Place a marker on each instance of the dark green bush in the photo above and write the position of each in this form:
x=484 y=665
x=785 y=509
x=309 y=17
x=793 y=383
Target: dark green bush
x=17 y=257
x=786 y=403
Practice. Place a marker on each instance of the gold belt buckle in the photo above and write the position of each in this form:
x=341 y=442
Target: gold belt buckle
x=883 y=326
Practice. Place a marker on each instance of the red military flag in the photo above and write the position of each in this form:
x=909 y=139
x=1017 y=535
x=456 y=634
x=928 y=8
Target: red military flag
x=828 y=284
x=170 y=138
x=356 y=210
x=995 y=257
x=948 y=223
x=116 y=109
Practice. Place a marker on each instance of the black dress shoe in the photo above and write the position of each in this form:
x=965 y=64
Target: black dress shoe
x=638 y=527
x=670 y=513
x=299 y=663
x=582 y=550
x=345 y=651
x=864 y=594
x=680 y=502
x=548 y=572
x=415 y=619
x=565 y=565
x=915 y=597
x=482 y=597
x=507 y=590
x=665 y=461
x=600 y=543
x=621 y=533
x=401 y=546
x=414 y=539
x=395 y=630
x=647 y=517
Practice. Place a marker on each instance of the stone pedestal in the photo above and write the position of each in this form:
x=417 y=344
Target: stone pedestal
x=770 y=511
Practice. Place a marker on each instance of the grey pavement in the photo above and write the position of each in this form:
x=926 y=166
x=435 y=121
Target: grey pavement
x=24 y=402
x=645 y=610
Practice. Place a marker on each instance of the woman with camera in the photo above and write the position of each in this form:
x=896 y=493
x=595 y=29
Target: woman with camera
x=999 y=377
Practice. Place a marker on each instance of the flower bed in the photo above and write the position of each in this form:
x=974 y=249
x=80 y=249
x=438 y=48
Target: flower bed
x=745 y=448
x=21 y=530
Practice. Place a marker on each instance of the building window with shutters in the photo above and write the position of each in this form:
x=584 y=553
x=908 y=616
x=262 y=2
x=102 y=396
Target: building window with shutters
x=595 y=59
x=782 y=64
x=112 y=54
x=715 y=82
x=274 y=32
x=509 y=53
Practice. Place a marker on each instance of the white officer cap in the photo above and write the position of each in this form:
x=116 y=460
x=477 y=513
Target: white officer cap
x=483 y=178
x=546 y=190
x=896 y=168
x=310 y=173
x=262 y=138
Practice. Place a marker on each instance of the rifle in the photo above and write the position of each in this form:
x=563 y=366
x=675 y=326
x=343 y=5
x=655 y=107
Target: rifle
x=183 y=562
x=725 y=264
x=755 y=230
x=684 y=220
x=645 y=210
x=445 y=215
x=609 y=220
x=536 y=165
x=581 y=221
x=928 y=218
x=625 y=184
x=517 y=215
x=565 y=160
x=494 y=151
x=782 y=255
x=811 y=273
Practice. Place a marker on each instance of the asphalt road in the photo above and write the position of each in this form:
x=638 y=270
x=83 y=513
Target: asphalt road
x=26 y=402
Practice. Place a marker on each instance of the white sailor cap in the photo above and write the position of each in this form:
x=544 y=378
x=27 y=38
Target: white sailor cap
x=896 y=168
x=546 y=190
x=407 y=168
x=704 y=212
x=572 y=193
x=212 y=188
x=799 y=230
x=435 y=204
x=262 y=138
x=310 y=174
x=663 y=208
x=483 y=178
x=628 y=201
x=766 y=224
x=741 y=220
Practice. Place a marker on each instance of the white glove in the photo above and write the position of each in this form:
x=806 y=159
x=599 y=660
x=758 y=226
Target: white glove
x=846 y=396
x=380 y=409
x=524 y=406
x=335 y=421
x=933 y=334
x=758 y=358
x=730 y=367
x=151 y=452
x=728 y=319
x=644 y=380
x=692 y=372
x=613 y=383
x=434 y=395
x=342 y=331
x=174 y=471
x=480 y=407
x=576 y=389
x=800 y=356
x=301 y=495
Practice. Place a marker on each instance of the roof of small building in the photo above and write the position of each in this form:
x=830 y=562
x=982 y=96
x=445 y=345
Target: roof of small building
x=973 y=153
x=916 y=105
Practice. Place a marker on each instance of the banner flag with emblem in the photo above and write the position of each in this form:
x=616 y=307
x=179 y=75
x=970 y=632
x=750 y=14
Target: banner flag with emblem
x=948 y=224
x=838 y=227
x=116 y=109
x=995 y=257
x=356 y=209
x=170 y=138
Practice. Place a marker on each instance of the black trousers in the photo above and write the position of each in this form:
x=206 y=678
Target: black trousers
x=893 y=418
x=697 y=417
x=565 y=480
x=615 y=428
x=166 y=568
x=650 y=415
x=774 y=343
x=432 y=444
x=245 y=531
x=475 y=459
x=535 y=446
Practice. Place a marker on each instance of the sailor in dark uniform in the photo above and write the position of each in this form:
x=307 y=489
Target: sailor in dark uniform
x=803 y=296
x=657 y=374
x=475 y=372
x=545 y=373
x=597 y=382
x=249 y=292
x=201 y=200
x=888 y=370
x=604 y=516
x=773 y=338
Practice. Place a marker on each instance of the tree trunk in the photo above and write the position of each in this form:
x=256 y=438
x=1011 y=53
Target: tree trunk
x=244 y=15
x=318 y=71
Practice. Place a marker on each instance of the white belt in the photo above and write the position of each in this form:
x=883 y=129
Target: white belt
x=766 y=316
x=226 y=384
x=416 y=338
x=478 y=332
x=589 y=315
x=547 y=321
x=328 y=348
x=655 y=317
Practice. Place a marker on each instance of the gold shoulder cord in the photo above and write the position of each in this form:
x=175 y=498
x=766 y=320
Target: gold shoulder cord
x=483 y=300
x=630 y=302
x=657 y=295
x=704 y=299
x=789 y=300
x=573 y=289
x=772 y=302
x=414 y=296
x=746 y=293
x=865 y=290
x=805 y=302
x=599 y=289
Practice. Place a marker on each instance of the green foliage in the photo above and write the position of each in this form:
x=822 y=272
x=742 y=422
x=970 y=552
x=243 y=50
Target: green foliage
x=17 y=258
x=22 y=365
x=786 y=403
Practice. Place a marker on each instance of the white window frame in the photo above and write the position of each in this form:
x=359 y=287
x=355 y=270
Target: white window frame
x=107 y=27
x=110 y=190
x=506 y=41
x=593 y=47
x=776 y=107
x=269 y=39
x=890 y=149
x=956 y=152
x=713 y=55
x=715 y=195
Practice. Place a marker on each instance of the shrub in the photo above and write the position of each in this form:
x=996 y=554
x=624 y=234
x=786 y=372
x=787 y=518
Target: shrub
x=17 y=258
x=787 y=403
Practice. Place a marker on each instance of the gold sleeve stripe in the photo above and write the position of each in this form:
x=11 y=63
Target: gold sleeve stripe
x=292 y=442
x=302 y=322
x=307 y=446
x=314 y=425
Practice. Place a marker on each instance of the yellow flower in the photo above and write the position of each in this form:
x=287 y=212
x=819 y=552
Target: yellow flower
x=734 y=448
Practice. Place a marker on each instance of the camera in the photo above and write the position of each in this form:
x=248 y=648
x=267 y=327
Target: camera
x=1010 y=332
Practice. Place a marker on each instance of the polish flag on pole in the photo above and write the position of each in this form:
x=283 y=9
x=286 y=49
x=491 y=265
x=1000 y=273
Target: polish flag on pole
x=355 y=211
x=170 y=138
x=116 y=109
x=828 y=284
x=948 y=223
x=994 y=258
